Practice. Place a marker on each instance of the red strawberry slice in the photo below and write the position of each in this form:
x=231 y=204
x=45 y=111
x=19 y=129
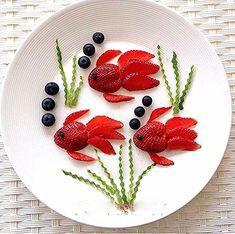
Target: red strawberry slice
x=137 y=81
x=103 y=121
x=116 y=98
x=182 y=132
x=106 y=132
x=74 y=116
x=105 y=78
x=138 y=66
x=134 y=54
x=158 y=112
x=180 y=143
x=79 y=156
x=102 y=144
x=177 y=122
x=107 y=56
x=161 y=160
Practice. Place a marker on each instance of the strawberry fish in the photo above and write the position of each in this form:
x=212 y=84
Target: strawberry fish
x=175 y=134
x=131 y=73
x=75 y=136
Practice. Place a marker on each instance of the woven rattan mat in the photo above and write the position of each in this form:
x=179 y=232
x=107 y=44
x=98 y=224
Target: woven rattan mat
x=213 y=210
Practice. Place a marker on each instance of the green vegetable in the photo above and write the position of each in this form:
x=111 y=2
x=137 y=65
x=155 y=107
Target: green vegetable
x=137 y=184
x=91 y=183
x=131 y=167
x=164 y=76
x=178 y=102
x=71 y=94
x=120 y=200
x=122 y=184
x=61 y=68
x=177 y=85
x=186 y=87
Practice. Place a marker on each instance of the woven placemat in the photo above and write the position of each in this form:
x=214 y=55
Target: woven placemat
x=213 y=210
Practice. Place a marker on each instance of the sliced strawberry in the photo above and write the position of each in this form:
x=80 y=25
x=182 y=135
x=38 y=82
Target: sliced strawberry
x=161 y=160
x=105 y=78
x=116 y=98
x=102 y=144
x=182 y=132
x=137 y=81
x=106 y=132
x=180 y=143
x=138 y=66
x=177 y=122
x=80 y=156
x=107 y=56
x=103 y=121
x=74 y=116
x=134 y=54
x=158 y=112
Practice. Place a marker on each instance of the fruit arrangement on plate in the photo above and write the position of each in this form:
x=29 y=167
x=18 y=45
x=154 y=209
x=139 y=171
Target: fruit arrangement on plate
x=133 y=72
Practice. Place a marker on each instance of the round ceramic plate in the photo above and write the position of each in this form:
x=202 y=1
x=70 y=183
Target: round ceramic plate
x=133 y=24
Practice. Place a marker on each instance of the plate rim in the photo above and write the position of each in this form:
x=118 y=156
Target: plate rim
x=60 y=12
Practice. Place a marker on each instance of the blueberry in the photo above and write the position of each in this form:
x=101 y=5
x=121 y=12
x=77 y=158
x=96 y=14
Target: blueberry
x=134 y=123
x=52 y=88
x=88 y=49
x=48 y=119
x=98 y=37
x=84 y=62
x=147 y=101
x=48 y=104
x=139 y=111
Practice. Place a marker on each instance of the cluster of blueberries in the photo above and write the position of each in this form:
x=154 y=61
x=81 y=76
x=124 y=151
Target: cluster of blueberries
x=139 y=112
x=89 y=49
x=48 y=104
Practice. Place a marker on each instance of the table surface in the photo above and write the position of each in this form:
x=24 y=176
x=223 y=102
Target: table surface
x=213 y=210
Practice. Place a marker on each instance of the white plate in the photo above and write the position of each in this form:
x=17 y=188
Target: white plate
x=126 y=24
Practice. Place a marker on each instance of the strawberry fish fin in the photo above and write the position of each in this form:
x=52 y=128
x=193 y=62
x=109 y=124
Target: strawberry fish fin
x=75 y=115
x=102 y=144
x=80 y=156
x=158 y=112
x=182 y=132
x=116 y=98
x=106 y=132
x=177 y=122
x=107 y=56
x=160 y=160
x=103 y=121
x=180 y=143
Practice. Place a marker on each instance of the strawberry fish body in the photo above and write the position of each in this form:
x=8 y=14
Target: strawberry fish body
x=75 y=136
x=151 y=137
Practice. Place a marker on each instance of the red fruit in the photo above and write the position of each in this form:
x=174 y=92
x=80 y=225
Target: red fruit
x=116 y=98
x=134 y=54
x=177 y=122
x=103 y=121
x=102 y=144
x=74 y=116
x=72 y=136
x=161 y=160
x=105 y=78
x=107 y=56
x=180 y=143
x=158 y=112
x=80 y=156
x=151 y=137
x=182 y=132
x=137 y=81
x=141 y=67
x=106 y=132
